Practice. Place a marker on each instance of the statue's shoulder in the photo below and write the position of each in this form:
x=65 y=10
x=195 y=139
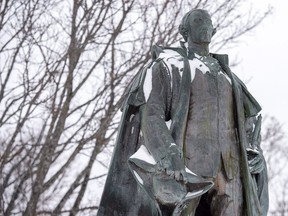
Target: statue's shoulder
x=166 y=53
x=251 y=106
x=158 y=51
x=163 y=59
x=168 y=56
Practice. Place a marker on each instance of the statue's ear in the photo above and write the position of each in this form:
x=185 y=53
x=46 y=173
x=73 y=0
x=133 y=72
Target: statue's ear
x=214 y=31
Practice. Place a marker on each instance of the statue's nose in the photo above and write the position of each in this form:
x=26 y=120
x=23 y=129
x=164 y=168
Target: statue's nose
x=204 y=28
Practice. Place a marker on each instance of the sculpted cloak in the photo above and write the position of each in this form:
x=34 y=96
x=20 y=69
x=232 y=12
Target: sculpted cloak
x=122 y=196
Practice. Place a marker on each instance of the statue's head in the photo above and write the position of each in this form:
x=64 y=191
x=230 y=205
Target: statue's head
x=196 y=26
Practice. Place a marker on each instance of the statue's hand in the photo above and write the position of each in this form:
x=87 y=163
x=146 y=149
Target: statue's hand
x=256 y=161
x=173 y=164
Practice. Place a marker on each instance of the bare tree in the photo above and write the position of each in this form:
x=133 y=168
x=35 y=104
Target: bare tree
x=275 y=147
x=63 y=68
x=281 y=207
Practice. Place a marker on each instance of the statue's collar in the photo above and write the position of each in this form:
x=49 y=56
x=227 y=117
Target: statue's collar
x=183 y=51
x=222 y=58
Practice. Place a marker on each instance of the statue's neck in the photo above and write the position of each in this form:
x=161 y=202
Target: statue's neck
x=200 y=49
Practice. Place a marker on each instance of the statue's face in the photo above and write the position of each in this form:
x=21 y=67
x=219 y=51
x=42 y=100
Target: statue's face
x=200 y=29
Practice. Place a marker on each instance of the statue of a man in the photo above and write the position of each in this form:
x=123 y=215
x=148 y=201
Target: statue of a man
x=186 y=111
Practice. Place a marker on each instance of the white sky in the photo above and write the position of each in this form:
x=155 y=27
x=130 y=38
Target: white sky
x=264 y=61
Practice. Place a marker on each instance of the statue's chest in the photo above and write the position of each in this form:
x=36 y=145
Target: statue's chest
x=208 y=79
x=211 y=104
x=211 y=91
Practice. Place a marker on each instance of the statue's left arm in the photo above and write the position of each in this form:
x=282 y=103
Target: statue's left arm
x=256 y=161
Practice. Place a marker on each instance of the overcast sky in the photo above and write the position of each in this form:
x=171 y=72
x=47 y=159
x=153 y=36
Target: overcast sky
x=264 y=60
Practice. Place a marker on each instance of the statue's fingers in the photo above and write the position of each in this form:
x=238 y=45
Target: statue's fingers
x=160 y=168
x=184 y=176
x=255 y=160
x=256 y=168
x=252 y=170
x=177 y=175
x=261 y=161
x=170 y=172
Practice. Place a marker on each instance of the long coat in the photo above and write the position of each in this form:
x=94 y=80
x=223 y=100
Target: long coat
x=122 y=195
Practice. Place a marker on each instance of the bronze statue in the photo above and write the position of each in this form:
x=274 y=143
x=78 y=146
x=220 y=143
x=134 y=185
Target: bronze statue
x=189 y=139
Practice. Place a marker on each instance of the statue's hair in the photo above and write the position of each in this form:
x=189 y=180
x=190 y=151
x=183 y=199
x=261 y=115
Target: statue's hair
x=183 y=27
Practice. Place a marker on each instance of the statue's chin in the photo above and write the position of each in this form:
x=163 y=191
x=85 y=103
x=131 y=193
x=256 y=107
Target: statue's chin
x=203 y=40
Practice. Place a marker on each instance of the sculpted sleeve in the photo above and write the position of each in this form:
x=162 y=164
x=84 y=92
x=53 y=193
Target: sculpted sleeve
x=156 y=111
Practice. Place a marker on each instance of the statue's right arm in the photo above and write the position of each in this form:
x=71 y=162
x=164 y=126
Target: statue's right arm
x=154 y=113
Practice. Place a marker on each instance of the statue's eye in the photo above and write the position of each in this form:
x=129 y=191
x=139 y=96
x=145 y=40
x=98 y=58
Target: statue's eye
x=198 y=20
